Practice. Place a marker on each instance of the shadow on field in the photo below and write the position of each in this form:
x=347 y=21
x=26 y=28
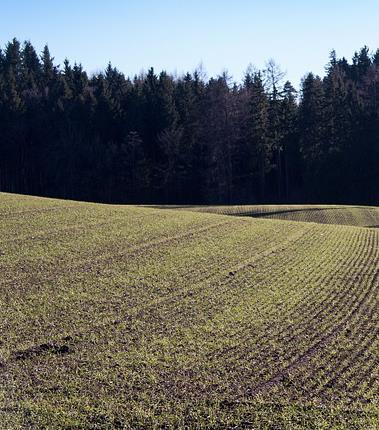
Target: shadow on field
x=277 y=212
x=287 y=211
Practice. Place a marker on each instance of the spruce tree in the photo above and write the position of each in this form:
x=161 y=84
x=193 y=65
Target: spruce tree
x=31 y=68
x=313 y=135
x=289 y=141
x=260 y=146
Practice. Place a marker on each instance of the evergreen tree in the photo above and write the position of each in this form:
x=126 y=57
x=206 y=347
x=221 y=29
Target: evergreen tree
x=49 y=71
x=290 y=142
x=260 y=145
x=312 y=138
x=274 y=78
x=31 y=68
x=156 y=138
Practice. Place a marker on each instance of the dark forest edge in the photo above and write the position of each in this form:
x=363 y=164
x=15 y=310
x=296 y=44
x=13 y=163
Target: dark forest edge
x=188 y=140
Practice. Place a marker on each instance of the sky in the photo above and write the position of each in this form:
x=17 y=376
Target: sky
x=177 y=36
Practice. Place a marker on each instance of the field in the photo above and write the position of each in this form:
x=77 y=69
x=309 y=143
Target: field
x=360 y=216
x=122 y=317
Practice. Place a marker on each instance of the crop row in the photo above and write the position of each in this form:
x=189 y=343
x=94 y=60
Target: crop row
x=362 y=216
x=124 y=316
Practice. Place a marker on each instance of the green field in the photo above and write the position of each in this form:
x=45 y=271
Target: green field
x=122 y=317
x=359 y=216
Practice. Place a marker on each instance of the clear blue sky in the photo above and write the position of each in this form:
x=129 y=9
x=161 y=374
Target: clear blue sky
x=177 y=35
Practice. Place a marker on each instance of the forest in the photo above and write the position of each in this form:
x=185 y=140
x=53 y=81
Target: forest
x=159 y=138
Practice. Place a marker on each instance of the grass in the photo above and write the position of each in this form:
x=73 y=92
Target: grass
x=130 y=317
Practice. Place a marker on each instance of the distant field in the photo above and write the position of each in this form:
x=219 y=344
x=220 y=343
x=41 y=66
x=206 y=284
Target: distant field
x=362 y=216
x=122 y=317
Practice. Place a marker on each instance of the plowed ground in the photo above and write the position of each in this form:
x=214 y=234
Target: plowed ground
x=360 y=216
x=129 y=317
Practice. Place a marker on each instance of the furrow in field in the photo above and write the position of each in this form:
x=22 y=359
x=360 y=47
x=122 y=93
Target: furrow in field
x=35 y=272
x=358 y=337
x=325 y=334
x=84 y=282
x=203 y=312
x=282 y=278
x=60 y=228
x=303 y=359
x=35 y=211
x=335 y=330
x=348 y=215
x=331 y=295
x=204 y=272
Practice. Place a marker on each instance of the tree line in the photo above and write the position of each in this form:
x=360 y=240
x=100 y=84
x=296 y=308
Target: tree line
x=156 y=138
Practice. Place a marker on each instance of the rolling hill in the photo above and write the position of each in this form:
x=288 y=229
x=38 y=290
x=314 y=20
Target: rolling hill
x=124 y=317
x=359 y=216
